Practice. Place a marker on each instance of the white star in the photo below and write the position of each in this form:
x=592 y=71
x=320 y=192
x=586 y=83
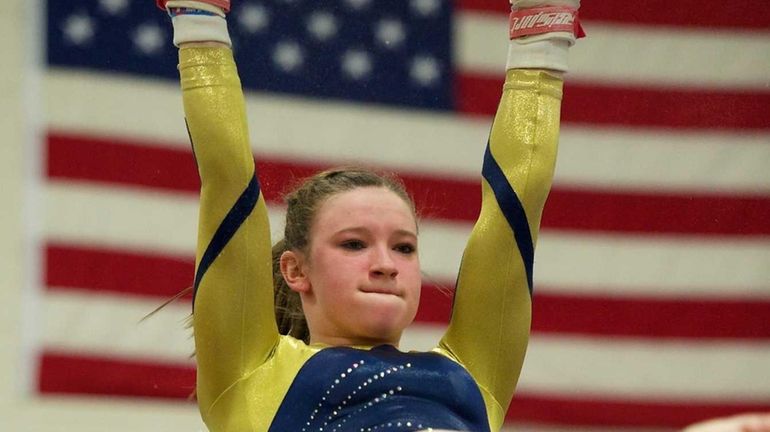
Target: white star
x=357 y=64
x=78 y=29
x=358 y=4
x=114 y=7
x=253 y=18
x=425 y=8
x=148 y=38
x=322 y=25
x=288 y=56
x=390 y=32
x=425 y=70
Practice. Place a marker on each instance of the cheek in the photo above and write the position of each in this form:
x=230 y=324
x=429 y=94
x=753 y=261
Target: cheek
x=411 y=276
x=335 y=274
x=411 y=267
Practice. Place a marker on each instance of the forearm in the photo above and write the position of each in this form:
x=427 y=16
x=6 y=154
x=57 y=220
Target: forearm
x=524 y=139
x=233 y=318
x=216 y=116
x=492 y=309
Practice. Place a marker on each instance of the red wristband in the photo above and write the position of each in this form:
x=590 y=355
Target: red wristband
x=549 y=19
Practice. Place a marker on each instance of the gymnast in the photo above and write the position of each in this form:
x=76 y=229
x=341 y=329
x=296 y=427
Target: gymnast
x=304 y=335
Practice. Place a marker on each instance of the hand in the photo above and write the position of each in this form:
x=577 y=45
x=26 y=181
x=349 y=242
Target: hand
x=222 y=4
x=526 y=4
x=738 y=423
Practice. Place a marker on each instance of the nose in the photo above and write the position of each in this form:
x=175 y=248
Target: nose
x=383 y=265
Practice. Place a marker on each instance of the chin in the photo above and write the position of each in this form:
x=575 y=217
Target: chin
x=387 y=318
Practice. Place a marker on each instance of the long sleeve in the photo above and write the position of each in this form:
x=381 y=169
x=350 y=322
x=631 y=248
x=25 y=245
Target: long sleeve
x=491 y=315
x=233 y=318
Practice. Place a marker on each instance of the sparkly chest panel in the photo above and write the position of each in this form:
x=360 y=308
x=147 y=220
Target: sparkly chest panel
x=346 y=389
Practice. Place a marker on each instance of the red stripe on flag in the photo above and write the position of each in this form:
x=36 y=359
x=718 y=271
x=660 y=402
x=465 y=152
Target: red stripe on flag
x=117 y=271
x=586 y=410
x=115 y=160
x=746 y=14
x=596 y=104
x=435 y=304
x=132 y=273
x=80 y=374
x=581 y=209
x=650 y=317
x=111 y=161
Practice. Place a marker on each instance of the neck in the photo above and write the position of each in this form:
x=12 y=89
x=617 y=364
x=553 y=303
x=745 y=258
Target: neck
x=334 y=340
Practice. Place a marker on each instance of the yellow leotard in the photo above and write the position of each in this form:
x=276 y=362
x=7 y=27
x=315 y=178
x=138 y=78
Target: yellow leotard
x=251 y=378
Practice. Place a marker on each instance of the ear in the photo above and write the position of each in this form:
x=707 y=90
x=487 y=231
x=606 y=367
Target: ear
x=293 y=270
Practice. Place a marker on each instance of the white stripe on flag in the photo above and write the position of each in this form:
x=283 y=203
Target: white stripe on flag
x=129 y=218
x=110 y=325
x=654 y=369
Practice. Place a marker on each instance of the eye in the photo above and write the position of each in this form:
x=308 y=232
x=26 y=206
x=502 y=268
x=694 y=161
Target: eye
x=405 y=248
x=353 y=245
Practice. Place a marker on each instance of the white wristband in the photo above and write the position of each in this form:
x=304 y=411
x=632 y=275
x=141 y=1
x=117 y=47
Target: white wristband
x=200 y=28
x=548 y=54
x=198 y=22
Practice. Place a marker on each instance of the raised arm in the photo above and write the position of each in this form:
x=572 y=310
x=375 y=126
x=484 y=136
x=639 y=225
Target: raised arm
x=489 y=328
x=233 y=317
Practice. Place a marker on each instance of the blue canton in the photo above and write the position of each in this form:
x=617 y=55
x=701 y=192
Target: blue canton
x=388 y=52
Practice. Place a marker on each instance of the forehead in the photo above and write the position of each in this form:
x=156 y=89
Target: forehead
x=376 y=205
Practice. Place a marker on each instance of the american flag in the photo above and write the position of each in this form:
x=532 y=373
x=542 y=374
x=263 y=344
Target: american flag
x=652 y=275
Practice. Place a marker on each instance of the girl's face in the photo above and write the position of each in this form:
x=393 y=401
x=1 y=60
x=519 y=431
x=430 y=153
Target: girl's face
x=363 y=272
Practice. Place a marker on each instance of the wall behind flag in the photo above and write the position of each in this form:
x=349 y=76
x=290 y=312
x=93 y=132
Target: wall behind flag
x=12 y=136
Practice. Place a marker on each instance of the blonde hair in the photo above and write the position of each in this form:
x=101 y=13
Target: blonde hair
x=302 y=205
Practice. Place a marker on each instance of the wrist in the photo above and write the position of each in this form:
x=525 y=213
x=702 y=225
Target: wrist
x=543 y=54
x=197 y=22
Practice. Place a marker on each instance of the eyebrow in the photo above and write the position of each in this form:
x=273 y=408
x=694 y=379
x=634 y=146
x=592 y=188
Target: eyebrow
x=361 y=229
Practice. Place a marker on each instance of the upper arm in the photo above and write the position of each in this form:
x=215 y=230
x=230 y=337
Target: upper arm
x=233 y=317
x=491 y=315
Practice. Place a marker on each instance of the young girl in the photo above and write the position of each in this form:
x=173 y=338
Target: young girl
x=350 y=258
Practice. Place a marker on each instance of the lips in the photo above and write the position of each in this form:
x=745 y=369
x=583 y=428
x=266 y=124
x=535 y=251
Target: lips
x=381 y=290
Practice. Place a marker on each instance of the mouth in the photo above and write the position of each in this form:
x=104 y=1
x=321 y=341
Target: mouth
x=381 y=290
